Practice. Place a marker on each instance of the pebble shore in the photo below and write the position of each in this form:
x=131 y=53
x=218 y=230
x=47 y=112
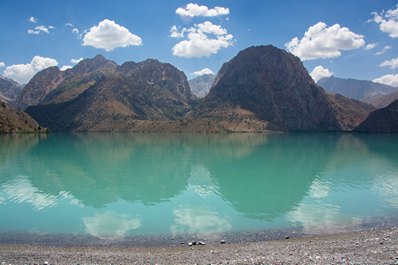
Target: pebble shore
x=374 y=246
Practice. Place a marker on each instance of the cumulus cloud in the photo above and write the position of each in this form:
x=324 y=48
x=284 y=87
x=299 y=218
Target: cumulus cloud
x=40 y=29
x=108 y=36
x=33 y=19
x=110 y=225
x=320 y=41
x=319 y=72
x=65 y=67
x=391 y=80
x=203 y=39
x=175 y=33
x=370 y=46
x=388 y=21
x=2 y=64
x=75 y=61
x=393 y=63
x=195 y=10
x=204 y=71
x=22 y=73
x=386 y=48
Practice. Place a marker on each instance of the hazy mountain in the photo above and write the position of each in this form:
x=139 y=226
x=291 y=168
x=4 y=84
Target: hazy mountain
x=200 y=86
x=99 y=98
x=271 y=86
x=9 y=89
x=381 y=101
x=366 y=91
x=381 y=120
x=13 y=120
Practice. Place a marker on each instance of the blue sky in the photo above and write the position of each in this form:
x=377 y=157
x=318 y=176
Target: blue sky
x=351 y=38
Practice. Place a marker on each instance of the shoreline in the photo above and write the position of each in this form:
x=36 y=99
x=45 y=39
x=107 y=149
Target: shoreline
x=371 y=246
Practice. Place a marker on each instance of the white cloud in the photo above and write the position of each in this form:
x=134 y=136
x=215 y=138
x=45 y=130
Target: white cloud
x=33 y=19
x=2 y=64
x=40 y=29
x=22 y=73
x=393 y=63
x=75 y=61
x=175 y=33
x=386 y=48
x=65 y=67
x=388 y=21
x=73 y=28
x=391 y=80
x=320 y=41
x=203 y=39
x=195 y=10
x=110 y=225
x=108 y=36
x=204 y=71
x=319 y=72
x=370 y=46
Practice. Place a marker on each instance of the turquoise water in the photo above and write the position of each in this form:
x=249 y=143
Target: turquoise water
x=111 y=186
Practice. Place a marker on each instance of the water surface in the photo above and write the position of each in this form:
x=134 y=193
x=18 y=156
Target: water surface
x=118 y=185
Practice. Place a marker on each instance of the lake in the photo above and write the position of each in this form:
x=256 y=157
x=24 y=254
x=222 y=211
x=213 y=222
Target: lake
x=111 y=186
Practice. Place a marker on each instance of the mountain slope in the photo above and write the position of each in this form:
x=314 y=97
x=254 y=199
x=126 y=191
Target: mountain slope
x=200 y=86
x=366 y=91
x=148 y=90
x=381 y=101
x=381 y=120
x=13 y=120
x=39 y=86
x=9 y=89
x=271 y=85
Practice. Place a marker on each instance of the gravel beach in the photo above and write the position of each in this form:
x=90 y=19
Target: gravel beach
x=374 y=246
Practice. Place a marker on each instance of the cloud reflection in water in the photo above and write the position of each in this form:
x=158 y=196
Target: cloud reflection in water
x=199 y=221
x=110 y=225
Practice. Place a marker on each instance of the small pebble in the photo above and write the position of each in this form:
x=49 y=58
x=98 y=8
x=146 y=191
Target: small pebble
x=286 y=237
x=222 y=241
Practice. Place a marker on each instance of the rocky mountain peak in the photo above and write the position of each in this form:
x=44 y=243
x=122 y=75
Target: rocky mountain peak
x=272 y=85
x=90 y=65
x=265 y=64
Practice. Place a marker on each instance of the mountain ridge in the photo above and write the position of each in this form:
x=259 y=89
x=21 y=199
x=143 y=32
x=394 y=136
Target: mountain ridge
x=363 y=90
x=262 y=88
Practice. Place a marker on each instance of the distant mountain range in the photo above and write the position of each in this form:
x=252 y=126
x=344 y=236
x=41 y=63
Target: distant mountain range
x=261 y=89
x=200 y=86
x=9 y=90
x=379 y=95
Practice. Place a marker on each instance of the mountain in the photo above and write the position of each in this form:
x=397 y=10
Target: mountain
x=381 y=101
x=13 y=120
x=98 y=95
x=200 y=86
x=383 y=120
x=39 y=86
x=9 y=89
x=271 y=89
x=366 y=91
